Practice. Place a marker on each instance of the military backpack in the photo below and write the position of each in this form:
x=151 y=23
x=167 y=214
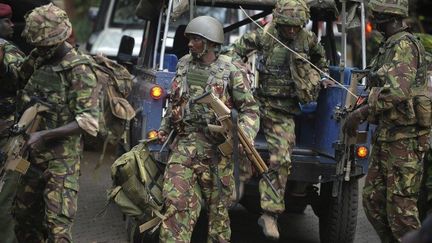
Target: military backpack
x=137 y=186
x=114 y=83
x=422 y=88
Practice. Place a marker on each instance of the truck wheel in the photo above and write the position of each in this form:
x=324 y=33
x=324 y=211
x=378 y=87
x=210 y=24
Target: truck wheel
x=338 y=215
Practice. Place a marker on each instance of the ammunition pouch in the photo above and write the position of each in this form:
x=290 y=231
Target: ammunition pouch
x=273 y=89
x=307 y=80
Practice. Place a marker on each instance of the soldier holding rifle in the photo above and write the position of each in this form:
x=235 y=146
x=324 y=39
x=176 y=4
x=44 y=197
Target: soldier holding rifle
x=196 y=169
x=399 y=104
x=46 y=202
x=285 y=80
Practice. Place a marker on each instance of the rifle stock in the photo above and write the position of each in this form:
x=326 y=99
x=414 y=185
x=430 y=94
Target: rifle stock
x=15 y=147
x=223 y=114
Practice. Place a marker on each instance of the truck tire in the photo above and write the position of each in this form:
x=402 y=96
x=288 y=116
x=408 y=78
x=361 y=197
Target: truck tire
x=338 y=215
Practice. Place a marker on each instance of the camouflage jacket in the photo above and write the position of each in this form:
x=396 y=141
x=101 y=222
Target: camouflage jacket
x=69 y=89
x=279 y=63
x=9 y=79
x=393 y=75
x=190 y=121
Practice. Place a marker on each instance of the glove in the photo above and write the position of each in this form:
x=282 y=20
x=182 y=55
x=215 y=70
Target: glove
x=353 y=120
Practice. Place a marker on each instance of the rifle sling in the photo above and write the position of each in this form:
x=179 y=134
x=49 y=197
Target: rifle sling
x=235 y=155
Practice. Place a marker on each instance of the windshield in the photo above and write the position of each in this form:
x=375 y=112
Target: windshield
x=123 y=15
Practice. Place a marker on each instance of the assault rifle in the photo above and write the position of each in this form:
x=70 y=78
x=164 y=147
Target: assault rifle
x=14 y=151
x=227 y=129
x=345 y=145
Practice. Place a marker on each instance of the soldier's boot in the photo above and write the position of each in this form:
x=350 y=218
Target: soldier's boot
x=269 y=226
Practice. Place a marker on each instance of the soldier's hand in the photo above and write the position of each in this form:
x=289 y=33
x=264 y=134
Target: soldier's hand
x=353 y=120
x=162 y=136
x=351 y=124
x=34 y=140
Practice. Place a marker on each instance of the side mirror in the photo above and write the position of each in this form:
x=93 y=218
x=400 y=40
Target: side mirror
x=124 y=55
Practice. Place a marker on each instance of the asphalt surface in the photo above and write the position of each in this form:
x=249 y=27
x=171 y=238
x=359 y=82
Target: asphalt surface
x=98 y=223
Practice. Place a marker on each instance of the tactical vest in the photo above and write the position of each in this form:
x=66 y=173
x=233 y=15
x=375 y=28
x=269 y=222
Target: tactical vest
x=286 y=75
x=52 y=87
x=275 y=78
x=195 y=81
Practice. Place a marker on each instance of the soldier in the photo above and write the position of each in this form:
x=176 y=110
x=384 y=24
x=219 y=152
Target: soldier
x=46 y=202
x=196 y=170
x=280 y=90
x=10 y=56
x=398 y=83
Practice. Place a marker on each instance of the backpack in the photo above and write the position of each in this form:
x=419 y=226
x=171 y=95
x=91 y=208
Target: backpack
x=137 y=186
x=422 y=101
x=114 y=84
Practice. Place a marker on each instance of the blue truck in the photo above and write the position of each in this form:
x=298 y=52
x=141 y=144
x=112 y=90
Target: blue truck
x=326 y=166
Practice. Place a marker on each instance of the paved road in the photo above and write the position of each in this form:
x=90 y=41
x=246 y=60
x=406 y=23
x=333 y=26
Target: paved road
x=109 y=226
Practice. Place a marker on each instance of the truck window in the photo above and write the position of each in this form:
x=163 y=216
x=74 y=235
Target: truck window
x=124 y=14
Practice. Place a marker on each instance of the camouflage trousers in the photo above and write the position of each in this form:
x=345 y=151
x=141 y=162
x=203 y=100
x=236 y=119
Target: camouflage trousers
x=392 y=188
x=188 y=182
x=280 y=135
x=7 y=197
x=46 y=202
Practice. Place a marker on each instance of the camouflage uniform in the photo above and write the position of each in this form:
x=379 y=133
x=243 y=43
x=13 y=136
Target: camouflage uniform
x=395 y=170
x=278 y=96
x=12 y=59
x=10 y=85
x=9 y=79
x=196 y=171
x=425 y=202
x=46 y=201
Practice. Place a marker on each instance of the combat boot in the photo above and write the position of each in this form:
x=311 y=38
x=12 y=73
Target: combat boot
x=269 y=226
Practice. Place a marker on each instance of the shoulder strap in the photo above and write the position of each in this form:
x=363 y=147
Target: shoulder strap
x=421 y=67
x=78 y=59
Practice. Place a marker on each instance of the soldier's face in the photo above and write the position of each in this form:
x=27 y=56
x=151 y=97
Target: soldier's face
x=6 y=28
x=289 y=31
x=196 y=44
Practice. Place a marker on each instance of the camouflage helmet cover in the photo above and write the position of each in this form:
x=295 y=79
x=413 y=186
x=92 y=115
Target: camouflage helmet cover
x=47 y=25
x=291 y=12
x=391 y=7
x=206 y=27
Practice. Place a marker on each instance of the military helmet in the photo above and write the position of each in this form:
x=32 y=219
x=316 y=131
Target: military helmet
x=391 y=7
x=206 y=27
x=47 y=25
x=291 y=12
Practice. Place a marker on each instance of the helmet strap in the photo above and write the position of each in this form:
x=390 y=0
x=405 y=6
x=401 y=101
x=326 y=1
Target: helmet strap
x=205 y=50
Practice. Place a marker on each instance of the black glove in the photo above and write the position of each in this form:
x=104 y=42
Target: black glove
x=353 y=120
